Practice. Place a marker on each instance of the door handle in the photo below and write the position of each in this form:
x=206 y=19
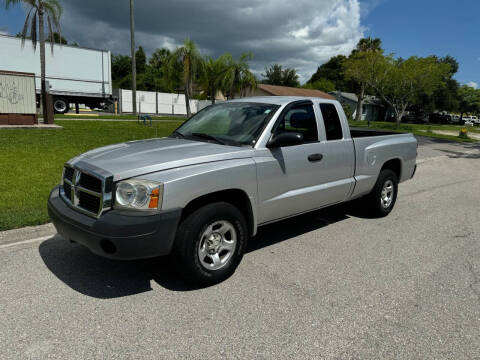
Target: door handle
x=315 y=157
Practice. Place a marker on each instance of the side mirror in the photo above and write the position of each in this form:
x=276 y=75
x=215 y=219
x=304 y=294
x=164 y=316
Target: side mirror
x=285 y=139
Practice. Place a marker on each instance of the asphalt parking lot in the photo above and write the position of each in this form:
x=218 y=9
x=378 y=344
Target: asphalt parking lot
x=333 y=284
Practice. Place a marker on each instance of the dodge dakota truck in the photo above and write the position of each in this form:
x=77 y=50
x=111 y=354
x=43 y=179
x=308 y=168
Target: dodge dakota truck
x=200 y=194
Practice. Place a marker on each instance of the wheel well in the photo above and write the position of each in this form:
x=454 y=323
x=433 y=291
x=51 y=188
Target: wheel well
x=395 y=165
x=236 y=197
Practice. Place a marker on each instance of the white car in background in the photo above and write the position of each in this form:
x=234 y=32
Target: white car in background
x=471 y=120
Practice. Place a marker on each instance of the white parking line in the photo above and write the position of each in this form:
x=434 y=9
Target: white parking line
x=17 y=243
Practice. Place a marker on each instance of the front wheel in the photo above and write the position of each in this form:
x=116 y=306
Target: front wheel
x=210 y=243
x=384 y=194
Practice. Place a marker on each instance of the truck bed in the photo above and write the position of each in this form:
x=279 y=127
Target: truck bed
x=373 y=148
x=362 y=132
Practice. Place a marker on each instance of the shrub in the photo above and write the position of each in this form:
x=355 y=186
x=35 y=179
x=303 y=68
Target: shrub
x=463 y=134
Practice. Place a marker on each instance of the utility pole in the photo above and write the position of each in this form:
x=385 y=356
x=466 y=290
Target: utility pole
x=134 y=62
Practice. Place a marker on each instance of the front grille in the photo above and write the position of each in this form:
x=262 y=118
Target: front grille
x=85 y=192
x=91 y=183
x=89 y=202
x=69 y=173
x=68 y=190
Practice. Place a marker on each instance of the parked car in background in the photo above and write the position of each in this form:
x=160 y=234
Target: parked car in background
x=454 y=119
x=415 y=117
x=203 y=192
x=473 y=120
x=438 y=118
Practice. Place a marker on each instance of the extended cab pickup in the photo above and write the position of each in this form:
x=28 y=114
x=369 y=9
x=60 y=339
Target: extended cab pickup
x=201 y=193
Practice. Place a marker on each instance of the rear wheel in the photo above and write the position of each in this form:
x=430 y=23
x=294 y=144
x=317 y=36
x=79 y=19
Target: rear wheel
x=61 y=106
x=210 y=243
x=384 y=194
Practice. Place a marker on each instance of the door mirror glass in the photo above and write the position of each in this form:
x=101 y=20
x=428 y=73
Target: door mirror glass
x=285 y=139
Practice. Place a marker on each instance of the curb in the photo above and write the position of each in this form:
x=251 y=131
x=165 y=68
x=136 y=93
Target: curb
x=27 y=234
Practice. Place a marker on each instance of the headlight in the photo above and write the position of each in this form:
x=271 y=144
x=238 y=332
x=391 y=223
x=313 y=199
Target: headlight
x=139 y=194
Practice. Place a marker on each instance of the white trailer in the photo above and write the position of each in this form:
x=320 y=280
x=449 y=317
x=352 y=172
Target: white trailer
x=74 y=74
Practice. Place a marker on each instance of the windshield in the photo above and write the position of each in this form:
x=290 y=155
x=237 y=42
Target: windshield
x=231 y=123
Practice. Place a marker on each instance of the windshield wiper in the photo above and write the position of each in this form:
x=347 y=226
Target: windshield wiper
x=177 y=135
x=208 y=137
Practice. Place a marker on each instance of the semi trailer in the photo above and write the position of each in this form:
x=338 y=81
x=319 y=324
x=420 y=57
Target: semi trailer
x=74 y=74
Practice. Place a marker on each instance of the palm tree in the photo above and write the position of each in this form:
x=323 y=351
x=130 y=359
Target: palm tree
x=238 y=77
x=192 y=65
x=214 y=75
x=40 y=9
x=365 y=45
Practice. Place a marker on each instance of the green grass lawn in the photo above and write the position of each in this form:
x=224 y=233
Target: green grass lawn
x=31 y=161
x=418 y=129
x=91 y=116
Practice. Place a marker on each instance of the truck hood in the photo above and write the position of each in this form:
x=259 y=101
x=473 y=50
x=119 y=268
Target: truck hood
x=130 y=159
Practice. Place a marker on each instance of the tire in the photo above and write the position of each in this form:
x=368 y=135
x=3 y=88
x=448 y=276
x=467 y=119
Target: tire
x=61 y=106
x=384 y=194
x=200 y=246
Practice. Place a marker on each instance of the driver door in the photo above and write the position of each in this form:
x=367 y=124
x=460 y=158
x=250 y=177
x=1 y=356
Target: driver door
x=289 y=178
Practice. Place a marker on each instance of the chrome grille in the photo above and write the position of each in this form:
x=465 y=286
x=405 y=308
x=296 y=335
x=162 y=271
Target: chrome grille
x=85 y=191
x=67 y=188
x=90 y=182
x=88 y=202
x=69 y=173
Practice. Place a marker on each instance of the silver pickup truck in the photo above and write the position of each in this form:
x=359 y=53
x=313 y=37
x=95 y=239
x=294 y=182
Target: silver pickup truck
x=201 y=193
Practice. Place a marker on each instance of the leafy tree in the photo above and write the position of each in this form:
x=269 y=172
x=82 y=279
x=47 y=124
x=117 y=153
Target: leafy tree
x=398 y=82
x=469 y=100
x=121 y=68
x=290 y=77
x=445 y=97
x=238 y=77
x=322 y=85
x=40 y=10
x=192 y=65
x=368 y=45
x=59 y=39
x=333 y=70
x=213 y=78
x=159 y=58
x=276 y=75
x=153 y=78
x=141 y=60
x=364 y=46
x=273 y=75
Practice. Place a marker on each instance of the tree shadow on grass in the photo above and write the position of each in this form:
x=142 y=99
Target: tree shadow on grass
x=102 y=278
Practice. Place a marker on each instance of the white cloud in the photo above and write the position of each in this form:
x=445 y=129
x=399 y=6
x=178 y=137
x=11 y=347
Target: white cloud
x=473 y=84
x=3 y=31
x=302 y=34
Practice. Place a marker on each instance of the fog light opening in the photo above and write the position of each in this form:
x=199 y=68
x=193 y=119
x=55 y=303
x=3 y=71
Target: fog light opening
x=108 y=247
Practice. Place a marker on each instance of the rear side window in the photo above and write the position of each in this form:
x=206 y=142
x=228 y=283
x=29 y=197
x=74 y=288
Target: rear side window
x=333 y=126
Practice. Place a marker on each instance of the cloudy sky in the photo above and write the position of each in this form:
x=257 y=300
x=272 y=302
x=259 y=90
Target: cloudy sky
x=299 y=34
x=295 y=33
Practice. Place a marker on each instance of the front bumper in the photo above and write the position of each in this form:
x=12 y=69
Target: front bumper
x=122 y=235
